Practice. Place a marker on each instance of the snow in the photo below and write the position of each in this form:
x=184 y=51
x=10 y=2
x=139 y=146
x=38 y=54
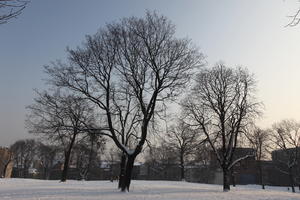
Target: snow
x=128 y=151
x=29 y=189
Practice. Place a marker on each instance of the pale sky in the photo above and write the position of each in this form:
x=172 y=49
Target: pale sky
x=250 y=33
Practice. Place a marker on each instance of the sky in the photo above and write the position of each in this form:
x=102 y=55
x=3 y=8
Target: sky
x=248 y=33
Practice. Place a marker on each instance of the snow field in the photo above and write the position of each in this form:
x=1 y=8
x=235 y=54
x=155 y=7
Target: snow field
x=29 y=189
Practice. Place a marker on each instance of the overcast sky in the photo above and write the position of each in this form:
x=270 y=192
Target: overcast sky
x=250 y=33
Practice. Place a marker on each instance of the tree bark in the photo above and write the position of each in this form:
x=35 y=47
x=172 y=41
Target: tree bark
x=86 y=176
x=66 y=167
x=128 y=173
x=182 y=175
x=45 y=173
x=64 y=173
x=232 y=177
x=226 y=186
x=261 y=175
x=291 y=179
x=122 y=170
x=48 y=174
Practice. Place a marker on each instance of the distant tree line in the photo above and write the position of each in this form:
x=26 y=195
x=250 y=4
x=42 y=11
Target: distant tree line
x=31 y=154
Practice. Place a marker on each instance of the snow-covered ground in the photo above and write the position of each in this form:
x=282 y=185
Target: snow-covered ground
x=28 y=189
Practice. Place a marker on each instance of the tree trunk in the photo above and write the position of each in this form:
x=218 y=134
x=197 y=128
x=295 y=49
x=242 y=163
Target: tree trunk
x=86 y=176
x=291 y=179
x=128 y=172
x=64 y=173
x=182 y=175
x=48 y=174
x=66 y=167
x=45 y=173
x=232 y=177
x=122 y=170
x=261 y=175
x=49 y=170
x=25 y=171
x=226 y=186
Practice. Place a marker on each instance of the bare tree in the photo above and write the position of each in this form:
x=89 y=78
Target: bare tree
x=59 y=118
x=11 y=9
x=221 y=104
x=24 y=152
x=202 y=154
x=295 y=18
x=127 y=70
x=111 y=158
x=160 y=157
x=87 y=154
x=47 y=156
x=286 y=137
x=184 y=141
x=259 y=141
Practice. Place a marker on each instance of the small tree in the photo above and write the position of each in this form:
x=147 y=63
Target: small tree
x=160 y=158
x=160 y=155
x=260 y=141
x=59 y=118
x=202 y=154
x=184 y=141
x=221 y=104
x=127 y=70
x=286 y=137
x=112 y=157
x=87 y=154
x=47 y=155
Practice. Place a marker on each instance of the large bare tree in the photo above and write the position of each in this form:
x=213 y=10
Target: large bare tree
x=11 y=9
x=221 y=104
x=286 y=138
x=127 y=70
x=59 y=118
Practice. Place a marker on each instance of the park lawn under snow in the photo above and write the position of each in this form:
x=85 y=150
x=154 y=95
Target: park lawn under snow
x=29 y=189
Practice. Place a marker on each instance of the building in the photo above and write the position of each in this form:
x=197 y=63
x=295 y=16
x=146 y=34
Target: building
x=6 y=162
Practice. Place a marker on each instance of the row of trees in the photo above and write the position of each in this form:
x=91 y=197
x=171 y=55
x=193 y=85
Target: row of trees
x=125 y=74
x=173 y=150
x=62 y=119
x=31 y=154
x=280 y=142
x=119 y=83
